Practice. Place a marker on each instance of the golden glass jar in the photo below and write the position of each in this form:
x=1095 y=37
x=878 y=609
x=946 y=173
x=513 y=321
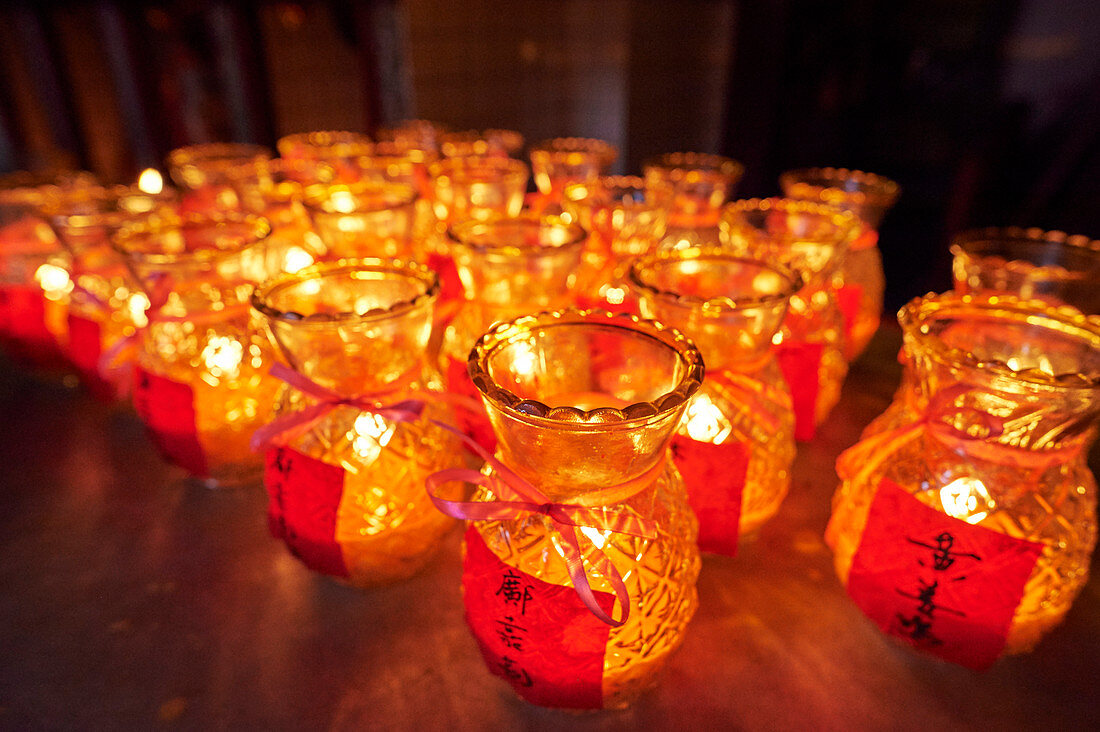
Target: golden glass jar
x=811 y=239
x=201 y=383
x=583 y=404
x=483 y=143
x=364 y=219
x=860 y=281
x=206 y=172
x=106 y=306
x=354 y=438
x=557 y=162
x=509 y=266
x=34 y=280
x=967 y=529
x=625 y=217
x=735 y=445
x=1030 y=263
x=337 y=150
x=420 y=134
x=702 y=184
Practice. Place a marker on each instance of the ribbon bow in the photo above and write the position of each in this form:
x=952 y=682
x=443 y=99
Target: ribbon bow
x=408 y=410
x=518 y=497
x=858 y=461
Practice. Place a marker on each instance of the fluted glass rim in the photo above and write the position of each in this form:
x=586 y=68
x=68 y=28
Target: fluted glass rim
x=847 y=223
x=827 y=184
x=916 y=315
x=382 y=196
x=262 y=295
x=642 y=282
x=604 y=151
x=324 y=144
x=446 y=167
x=535 y=412
x=679 y=164
x=966 y=244
x=457 y=234
x=121 y=239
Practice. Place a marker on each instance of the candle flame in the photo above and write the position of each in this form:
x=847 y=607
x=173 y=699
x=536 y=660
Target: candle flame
x=150 y=181
x=53 y=280
x=966 y=499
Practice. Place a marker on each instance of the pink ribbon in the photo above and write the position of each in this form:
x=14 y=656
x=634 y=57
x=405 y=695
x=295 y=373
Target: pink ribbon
x=294 y=423
x=518 y=497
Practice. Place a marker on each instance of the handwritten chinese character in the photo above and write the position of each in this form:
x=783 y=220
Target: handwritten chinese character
x=918 y=629
x=514 y=590
x=511 y=634
x=926 y=596
x=516 y=674
x=942 y=556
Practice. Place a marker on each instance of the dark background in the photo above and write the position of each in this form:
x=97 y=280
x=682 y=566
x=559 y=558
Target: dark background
x=986 y=112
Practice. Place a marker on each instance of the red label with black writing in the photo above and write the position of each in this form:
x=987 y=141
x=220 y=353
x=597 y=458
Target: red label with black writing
x=849 y=299
x=800 y=364
x=168 y=410
x=715 y=477
x=537 y=636
x=304 y=500
x=474 y=425
x=940 y=584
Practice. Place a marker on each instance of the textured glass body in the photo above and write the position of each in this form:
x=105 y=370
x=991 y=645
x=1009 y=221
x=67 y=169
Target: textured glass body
x=337 y=149
x=625 y=217
x=198 y=346
x=365 y=219
x=206 y=173
x=1009 y=390
x=483 y=143
x=731 y=308
x=359 y=328
x=811 y=239
x=702 y=184
x=582 y=403
x=860 y=279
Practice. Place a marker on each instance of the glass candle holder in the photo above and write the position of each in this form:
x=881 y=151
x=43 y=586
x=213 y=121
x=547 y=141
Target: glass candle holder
x=811 y=239
x=354 y=436
x=860 y=281
x=363 y=220
x=34 y=280
x=1031 y=263
x=414 y=133
x=201 y=384
x=583 y=405
x=967 y=530
x=484 y=143
x=394 y=162
x=338 y=150
x=702 y=184
x=206 y=173
x=106 y=306
x=735 y=445
x=625 y=216
x=508 y=266
x=557 y=162
x=470 y=188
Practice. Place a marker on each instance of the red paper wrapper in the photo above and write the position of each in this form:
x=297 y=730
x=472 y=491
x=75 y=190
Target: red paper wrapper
x=23 y=332
x=800 y=364
x=304 y=498
x=450 y=286
x=537 y=636
x=85 y=349
x=715 y=477
x=938 y=583
x=475 y=426
x=848 y=299
x=168 y=410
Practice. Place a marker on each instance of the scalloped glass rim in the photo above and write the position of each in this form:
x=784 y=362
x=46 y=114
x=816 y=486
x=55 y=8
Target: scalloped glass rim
x=847 y=223
x=571 y=417
x=150 y=225
x=874 y=188
x=262 y=295
x=602 y=149
x=682 y=163
x=221 y=151
x=1065 y=319
x=722 y=303
x=320 y=144
x=379 y=197
x=965 y=245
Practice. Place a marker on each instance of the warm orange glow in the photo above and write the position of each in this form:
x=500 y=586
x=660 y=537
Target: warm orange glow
x=150 y=181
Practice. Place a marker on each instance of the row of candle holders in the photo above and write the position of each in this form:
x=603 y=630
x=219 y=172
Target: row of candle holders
x=397 y=341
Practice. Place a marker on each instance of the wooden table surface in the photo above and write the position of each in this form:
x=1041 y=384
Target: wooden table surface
x=132 y=599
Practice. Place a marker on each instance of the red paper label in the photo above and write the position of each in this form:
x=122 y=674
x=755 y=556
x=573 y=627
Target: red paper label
x=23 y=331
x=537 y=636
x=715 y=477
x=168 y=410
x=938 y=583
x=474 y=425
x=800 y=364
x=85 y=348
x=849 y=299
x=305 y=497
x=450 y=286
